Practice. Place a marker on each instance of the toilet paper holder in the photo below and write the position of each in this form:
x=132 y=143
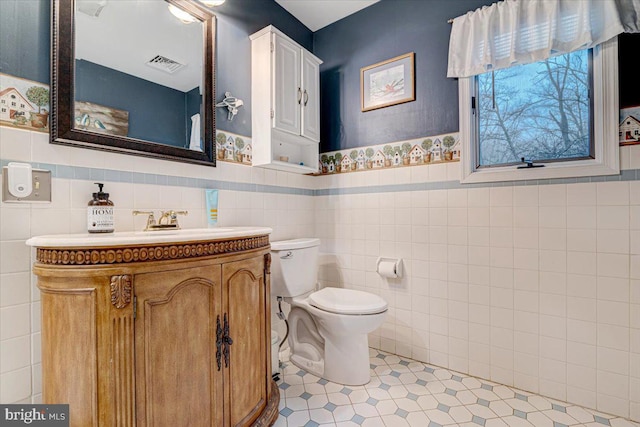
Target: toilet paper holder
x=389 y=267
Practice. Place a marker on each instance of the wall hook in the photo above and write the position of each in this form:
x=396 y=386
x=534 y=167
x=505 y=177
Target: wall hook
x=231 y=103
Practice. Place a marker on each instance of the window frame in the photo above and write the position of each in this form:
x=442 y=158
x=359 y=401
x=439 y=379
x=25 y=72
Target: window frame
x=605 y=130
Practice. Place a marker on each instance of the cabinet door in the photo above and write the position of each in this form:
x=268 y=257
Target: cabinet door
x=310 y=97
x=287 y=85
x=177 y=379
x=248 y=379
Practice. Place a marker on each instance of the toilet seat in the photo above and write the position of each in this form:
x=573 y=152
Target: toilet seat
x=347 y=301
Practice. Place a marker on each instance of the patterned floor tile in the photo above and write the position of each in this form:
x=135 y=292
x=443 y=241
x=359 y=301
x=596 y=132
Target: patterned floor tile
x=343 y=413
x=387 y=407
x=365 y=410
x=514 y=421
x=404 y=392
x=408 y=405
x=373 y=422
x=440 y=417
x=580 y=414
x=395 y=420
x=359 y=396
x=321 y=416
x=418 y=419
x=560 y=417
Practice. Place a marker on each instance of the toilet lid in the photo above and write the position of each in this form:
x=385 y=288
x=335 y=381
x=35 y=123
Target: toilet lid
x=347 y=301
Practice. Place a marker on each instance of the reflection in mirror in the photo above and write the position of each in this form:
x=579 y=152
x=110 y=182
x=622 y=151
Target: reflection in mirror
x=140 y=77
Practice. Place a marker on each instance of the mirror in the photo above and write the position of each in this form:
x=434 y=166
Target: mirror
x=132 y=76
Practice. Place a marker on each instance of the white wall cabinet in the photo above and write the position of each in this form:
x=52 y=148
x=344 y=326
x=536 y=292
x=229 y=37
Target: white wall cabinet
x=285 y=99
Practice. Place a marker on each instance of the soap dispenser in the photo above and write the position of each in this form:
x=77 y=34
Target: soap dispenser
x=100 y=212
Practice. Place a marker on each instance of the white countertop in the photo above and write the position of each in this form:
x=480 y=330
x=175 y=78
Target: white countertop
x=128 y=238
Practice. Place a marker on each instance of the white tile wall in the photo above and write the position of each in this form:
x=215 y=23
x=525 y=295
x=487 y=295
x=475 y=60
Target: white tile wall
x=537 y=287
x=20 y=369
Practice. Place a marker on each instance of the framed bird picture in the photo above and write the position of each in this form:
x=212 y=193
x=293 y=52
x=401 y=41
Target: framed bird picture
x=98 y=118
x=388 y=82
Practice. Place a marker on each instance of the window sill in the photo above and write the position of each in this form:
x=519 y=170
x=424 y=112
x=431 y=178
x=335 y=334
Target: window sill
x=575 y=169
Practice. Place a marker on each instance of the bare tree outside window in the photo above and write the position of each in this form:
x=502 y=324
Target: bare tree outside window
x=539 y=111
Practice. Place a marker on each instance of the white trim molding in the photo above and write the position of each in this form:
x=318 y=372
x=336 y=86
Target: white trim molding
x=605 y=130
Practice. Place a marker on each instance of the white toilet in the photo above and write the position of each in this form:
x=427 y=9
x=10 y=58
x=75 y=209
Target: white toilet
x=328 y=328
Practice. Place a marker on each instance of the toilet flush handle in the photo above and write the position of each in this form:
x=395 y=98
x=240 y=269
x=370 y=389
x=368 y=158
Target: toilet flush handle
x=287 y=255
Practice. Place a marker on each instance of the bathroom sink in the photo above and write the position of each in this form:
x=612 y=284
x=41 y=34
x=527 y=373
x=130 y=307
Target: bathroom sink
x=183 y=231
x=120 y=238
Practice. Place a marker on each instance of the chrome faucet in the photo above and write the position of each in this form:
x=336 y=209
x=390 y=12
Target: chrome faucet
x=168 y=220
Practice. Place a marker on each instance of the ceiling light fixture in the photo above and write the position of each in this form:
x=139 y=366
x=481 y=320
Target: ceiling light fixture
x=181 y=15
x=212 y=3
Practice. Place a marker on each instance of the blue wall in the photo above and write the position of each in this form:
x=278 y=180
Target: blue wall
x=24 y=39
x=237 y=20
x=156 y=113
x=391 y=28
x=382 y=31
x=25 y=45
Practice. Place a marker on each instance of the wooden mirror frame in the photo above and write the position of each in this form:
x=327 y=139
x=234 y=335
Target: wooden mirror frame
x=63 y=92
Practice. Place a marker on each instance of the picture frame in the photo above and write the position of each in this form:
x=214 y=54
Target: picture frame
x=99 y=118
x=388 y=83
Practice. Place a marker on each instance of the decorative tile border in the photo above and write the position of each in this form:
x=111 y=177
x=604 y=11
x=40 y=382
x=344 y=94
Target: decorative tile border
x=24 y=104
x=233 y=148
x=442 y=148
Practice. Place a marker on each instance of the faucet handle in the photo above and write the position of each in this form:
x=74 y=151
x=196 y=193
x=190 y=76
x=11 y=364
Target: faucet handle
x=151 y=220
x=174 y=215
x=170 y=217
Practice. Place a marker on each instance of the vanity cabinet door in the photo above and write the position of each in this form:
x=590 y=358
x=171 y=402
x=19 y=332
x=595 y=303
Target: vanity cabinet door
x=248 y=376
x=177 y=379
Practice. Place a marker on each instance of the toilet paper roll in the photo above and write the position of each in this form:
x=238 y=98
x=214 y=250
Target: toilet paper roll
x=387 y=269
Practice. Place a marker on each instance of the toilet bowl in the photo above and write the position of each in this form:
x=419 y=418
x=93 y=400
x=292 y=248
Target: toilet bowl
x=328 y=329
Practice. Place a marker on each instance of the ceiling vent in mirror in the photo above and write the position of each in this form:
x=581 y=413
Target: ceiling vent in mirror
x=91 y=7
x=167 y=65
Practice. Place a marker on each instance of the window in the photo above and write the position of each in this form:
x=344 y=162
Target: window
x=539 y=112
x=561 y=112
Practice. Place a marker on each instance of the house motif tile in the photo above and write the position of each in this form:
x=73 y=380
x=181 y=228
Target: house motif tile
x=24 y=103
x=233 y=148
x=415 y=152
x=630 y=126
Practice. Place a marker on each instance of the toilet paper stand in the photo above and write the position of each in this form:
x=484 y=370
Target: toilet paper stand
x=389 y=267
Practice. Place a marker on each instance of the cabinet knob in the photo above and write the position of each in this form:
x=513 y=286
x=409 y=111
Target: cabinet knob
x=299 y=95
x=306 y=97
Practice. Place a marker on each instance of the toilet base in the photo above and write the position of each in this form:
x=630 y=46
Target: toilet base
x=345 y=361
x=313 y=367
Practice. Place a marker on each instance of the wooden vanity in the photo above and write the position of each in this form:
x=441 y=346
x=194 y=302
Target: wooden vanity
x=144 y=329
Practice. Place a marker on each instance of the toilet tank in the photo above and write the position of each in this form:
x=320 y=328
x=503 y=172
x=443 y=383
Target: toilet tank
x=294 y=266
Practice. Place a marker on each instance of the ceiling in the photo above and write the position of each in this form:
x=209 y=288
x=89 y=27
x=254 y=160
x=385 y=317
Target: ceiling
x=317 y=14
x=127 y=34
x=121 y=38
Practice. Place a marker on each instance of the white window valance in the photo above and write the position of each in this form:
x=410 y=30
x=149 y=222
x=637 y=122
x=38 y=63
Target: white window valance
x=512 y=32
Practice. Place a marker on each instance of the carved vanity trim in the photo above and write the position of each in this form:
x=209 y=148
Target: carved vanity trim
x=141 y=253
